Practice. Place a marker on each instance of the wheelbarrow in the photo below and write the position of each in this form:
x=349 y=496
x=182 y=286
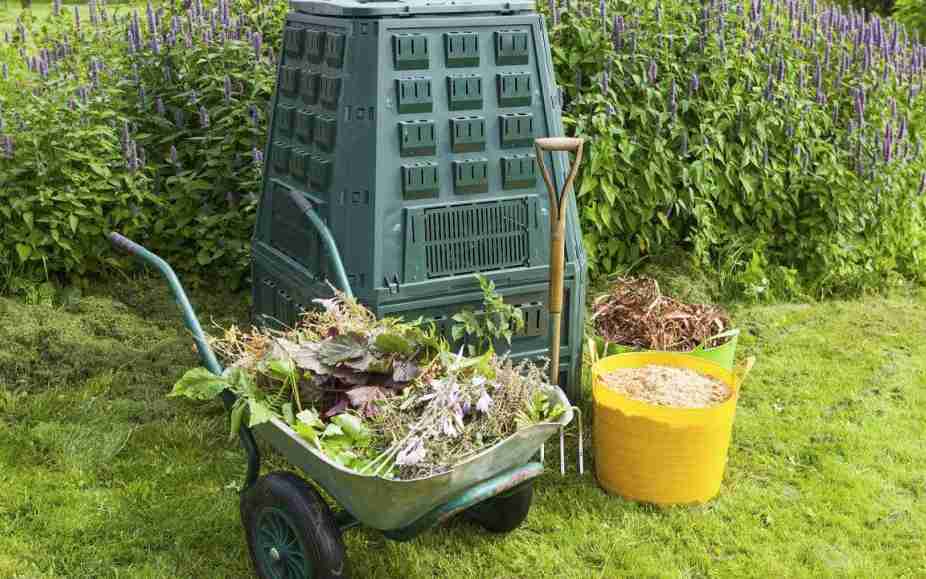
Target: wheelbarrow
x=291 y=530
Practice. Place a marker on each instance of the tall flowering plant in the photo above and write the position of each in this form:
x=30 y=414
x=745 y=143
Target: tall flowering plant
x=790 y=155
x=162 y=106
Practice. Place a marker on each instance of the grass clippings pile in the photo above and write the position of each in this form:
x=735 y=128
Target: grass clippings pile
x=381 y=397
x=667 y=386
x=636 y=314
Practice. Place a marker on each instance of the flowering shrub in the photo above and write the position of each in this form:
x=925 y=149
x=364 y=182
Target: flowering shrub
x=779 y=141
x=768 y=137
x=145 y=123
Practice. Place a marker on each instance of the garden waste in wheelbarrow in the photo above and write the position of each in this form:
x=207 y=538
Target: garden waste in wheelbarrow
x=290 y=528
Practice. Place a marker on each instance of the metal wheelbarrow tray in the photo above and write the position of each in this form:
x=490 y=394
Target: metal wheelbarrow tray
x=291 y=530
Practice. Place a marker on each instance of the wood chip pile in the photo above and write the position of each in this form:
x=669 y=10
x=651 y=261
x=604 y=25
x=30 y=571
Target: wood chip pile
x=667 y=386
x=636 y=314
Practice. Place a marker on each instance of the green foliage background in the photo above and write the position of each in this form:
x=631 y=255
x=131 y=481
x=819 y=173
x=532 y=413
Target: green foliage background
x=779 y=187
x=755 y=171
x=72 y=176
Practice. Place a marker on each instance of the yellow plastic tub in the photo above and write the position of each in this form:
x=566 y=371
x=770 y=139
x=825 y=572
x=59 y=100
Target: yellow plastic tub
x=657 y=454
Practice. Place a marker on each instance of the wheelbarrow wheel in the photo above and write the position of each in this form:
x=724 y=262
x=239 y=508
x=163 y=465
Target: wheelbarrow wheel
x=505 y=512
x=290 y=530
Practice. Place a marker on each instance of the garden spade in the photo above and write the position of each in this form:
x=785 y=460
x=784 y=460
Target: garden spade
x=557 y=234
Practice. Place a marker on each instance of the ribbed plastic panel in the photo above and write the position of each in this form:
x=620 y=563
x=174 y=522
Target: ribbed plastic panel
x=464 y=238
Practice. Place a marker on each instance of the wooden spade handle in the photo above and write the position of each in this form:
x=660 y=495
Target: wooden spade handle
x=559 y=144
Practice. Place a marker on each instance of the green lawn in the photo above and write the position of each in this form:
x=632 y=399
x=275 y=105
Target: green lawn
x=104 y=477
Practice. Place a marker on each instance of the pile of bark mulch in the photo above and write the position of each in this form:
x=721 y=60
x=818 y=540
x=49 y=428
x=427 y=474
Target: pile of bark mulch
x=636 y=314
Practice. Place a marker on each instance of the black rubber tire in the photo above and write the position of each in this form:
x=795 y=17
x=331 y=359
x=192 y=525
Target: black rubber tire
x=503 y=513
x=310 y=522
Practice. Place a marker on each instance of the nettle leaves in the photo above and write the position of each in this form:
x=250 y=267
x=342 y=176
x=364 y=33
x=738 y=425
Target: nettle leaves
x=345 y=439
x=360 y=367
x=482 y=330
x=201 y=384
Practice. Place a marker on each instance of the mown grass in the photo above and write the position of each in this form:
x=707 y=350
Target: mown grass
x=102 y=476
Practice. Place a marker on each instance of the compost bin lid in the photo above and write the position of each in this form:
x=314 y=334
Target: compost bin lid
x=407 y=7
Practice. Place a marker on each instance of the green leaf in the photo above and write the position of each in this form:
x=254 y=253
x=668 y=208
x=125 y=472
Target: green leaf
x=73 y=221
x=352 y=426
x=389 y=343
x=288 y=415
x=307 y=433
x=236 y=416
x=341 y=348
x=309 y=417
x=100 y=170
x=24 y=251
x=332 y=430
x=259 y=412
x=281 y=369
x=199 y=384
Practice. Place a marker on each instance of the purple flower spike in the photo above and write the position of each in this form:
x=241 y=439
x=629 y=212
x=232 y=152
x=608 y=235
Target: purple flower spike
x=617 y=33
x=76 y=19
x=887 y=142
x=652 y=72
x=203 y=117
x=257 y=42
x=227 y=88
x=693 y=84
x=8 y=146
x=159 y=106
x=920 y=192
x=673 y=100
x=152 y=24
x=56 y=8
x=173 y=156
x=6 y=71
x=258 y=156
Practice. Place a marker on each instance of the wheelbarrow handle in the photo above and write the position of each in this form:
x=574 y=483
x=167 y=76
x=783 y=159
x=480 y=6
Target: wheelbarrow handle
x=125 y=244
x=206 y=355
x=559 y=144
x=189 y=315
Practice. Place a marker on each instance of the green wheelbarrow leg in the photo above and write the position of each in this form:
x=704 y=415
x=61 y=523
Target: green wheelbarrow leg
x=474 y=495
x=205 y=352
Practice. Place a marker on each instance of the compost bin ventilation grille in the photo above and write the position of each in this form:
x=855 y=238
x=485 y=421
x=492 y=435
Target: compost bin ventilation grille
x=473 y=237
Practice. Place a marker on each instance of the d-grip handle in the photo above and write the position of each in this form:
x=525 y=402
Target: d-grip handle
x=559 y=144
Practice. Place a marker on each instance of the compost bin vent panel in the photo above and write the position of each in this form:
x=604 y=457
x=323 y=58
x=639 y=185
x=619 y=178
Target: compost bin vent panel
x=466 y=238
x=291 y=232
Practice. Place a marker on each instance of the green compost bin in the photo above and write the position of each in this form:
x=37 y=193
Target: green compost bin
x=400 y=163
